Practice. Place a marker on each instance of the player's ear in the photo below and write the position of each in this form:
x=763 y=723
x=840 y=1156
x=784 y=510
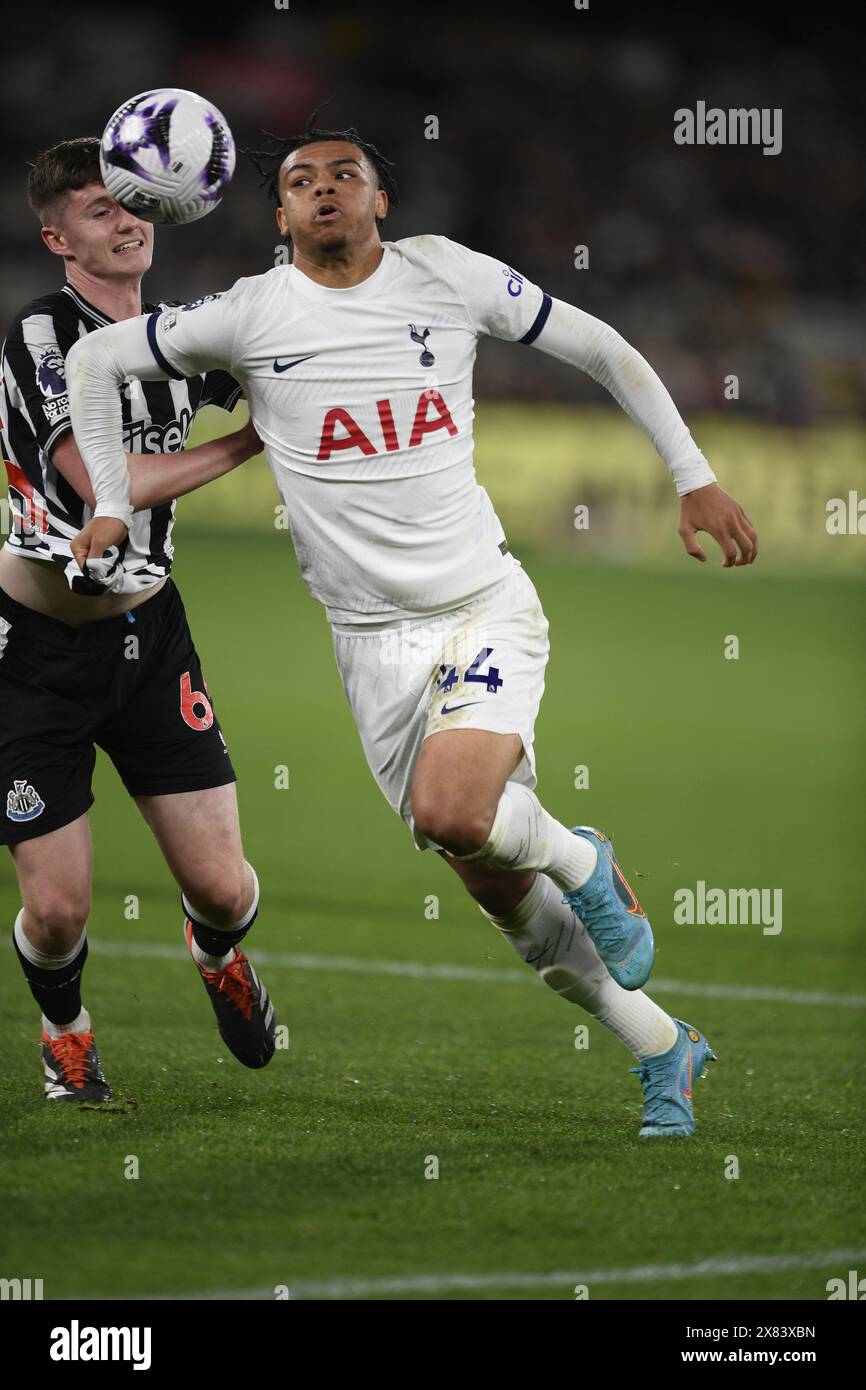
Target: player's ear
x=381 y=204
x=282 y=225
x=53 y=238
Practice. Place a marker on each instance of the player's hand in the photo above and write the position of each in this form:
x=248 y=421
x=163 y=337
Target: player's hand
x=94 y=540
x=712 y=510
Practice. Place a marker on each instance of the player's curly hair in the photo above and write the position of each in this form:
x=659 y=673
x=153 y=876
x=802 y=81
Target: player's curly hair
x=269 y=161
x=69 y=165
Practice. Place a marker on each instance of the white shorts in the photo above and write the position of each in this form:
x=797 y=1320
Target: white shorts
x=480 y=666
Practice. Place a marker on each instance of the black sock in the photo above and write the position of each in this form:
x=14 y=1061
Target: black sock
x=57 y=992
x=212 y=941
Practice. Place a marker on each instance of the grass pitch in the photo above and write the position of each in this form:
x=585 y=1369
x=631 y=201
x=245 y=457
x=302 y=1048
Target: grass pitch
x=743 y=773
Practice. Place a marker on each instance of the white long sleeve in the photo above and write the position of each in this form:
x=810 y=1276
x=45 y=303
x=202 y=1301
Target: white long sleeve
x=577 y=338
x=96 y=368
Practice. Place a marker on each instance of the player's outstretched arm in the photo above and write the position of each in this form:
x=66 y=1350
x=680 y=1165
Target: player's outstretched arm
x=597 y=349
x=159 y=478
x=96 y=368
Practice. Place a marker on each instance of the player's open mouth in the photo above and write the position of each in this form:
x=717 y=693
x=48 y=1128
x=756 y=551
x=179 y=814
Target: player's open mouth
x=327 y=212
x=126 y=246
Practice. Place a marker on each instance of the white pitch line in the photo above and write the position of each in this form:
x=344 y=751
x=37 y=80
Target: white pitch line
x=838 y=1260
x=474 y=975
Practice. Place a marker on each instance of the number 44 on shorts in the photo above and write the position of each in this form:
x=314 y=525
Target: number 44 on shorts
x=490 y=679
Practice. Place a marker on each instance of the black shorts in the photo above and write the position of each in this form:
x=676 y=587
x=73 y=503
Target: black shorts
x=132 y=685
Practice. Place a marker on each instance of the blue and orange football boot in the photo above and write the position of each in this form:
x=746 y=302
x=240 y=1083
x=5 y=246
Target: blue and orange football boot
x=667 y=1084
x=614 y=919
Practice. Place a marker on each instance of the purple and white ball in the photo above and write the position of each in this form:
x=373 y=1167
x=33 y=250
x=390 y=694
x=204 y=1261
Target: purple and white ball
x=167 y=156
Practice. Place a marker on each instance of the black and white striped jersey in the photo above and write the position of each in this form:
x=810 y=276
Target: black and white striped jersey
x=46 y=511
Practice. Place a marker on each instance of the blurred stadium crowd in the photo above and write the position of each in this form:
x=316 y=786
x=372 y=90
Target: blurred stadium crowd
x=555 y=131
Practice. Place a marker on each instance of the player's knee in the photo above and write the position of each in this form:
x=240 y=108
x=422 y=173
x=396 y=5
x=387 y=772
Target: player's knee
x=54 y=922
x=459 y=828
x=222 y=898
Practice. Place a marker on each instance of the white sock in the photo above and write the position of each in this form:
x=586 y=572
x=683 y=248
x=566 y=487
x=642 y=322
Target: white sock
x=550 y=937
x=214 y=964
x=81 y=1024
x=523 y=836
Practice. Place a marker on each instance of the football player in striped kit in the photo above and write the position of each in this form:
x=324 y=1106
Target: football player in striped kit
x=357 y=363
x=106 y=657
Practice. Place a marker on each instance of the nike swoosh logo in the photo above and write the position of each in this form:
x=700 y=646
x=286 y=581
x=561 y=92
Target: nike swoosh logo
x=284 y=366
x=446 y=710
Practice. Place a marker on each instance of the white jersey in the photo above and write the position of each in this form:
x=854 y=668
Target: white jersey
x=363 y=400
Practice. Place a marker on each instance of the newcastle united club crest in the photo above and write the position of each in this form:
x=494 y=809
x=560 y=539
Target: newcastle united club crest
x=24 y=802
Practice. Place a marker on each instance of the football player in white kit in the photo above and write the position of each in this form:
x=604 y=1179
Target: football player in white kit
x=356 y=361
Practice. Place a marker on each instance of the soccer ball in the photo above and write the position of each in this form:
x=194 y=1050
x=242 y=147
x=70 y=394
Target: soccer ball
x=167 y=156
